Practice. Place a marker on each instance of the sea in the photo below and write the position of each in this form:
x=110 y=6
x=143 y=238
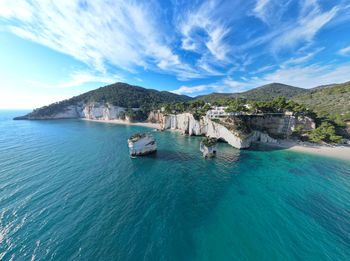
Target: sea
x=70 y=191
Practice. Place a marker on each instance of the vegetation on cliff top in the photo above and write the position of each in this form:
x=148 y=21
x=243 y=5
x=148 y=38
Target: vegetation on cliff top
x=118 y=94
x=137 y=136
x=328 y=129
x=208 y=142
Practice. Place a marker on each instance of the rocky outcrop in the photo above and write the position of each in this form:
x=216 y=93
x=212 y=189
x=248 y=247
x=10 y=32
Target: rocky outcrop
x=142 y=144
x=208 y=147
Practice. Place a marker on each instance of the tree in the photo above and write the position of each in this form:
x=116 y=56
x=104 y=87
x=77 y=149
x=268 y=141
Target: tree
x=325 y=132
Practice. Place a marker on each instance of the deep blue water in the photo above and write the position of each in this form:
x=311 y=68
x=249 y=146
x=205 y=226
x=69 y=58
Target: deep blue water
x=70 y=191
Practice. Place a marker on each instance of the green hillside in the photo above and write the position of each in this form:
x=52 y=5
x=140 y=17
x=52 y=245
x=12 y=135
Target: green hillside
x=215 y=96
x=271 y=91
x=119 y=94
x=334 y=100
x=263 y=93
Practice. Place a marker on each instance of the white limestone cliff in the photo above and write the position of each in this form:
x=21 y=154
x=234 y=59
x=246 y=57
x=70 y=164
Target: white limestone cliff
x=94 y=111
x=101 y=111
x=142 y=144
x=187 y=124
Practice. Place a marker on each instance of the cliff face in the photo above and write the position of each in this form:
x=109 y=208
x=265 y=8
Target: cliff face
x=71 y=112
x=101 y=111
x=187 y=124
x=94 y=111
x=280 y=124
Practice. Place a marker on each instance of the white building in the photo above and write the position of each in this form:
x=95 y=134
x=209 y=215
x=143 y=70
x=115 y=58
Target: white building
x=217 y=112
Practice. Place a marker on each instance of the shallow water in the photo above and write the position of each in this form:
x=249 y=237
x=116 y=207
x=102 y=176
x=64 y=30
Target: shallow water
x=70 y=191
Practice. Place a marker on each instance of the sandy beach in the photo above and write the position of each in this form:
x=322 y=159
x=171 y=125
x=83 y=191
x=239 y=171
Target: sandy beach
x=144 y=124
x=334 y=151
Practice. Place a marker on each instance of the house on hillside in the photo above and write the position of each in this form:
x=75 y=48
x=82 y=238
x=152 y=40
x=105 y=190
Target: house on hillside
x=219 y=111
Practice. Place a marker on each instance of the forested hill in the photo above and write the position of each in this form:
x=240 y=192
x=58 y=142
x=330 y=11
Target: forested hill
x=263 y=93
x=216 y=96
x=334 y=100
x=125 y=95
x=271 y=91
x=119 y=94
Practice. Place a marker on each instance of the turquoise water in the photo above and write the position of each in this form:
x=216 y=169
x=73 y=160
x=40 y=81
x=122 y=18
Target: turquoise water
x=69 y=191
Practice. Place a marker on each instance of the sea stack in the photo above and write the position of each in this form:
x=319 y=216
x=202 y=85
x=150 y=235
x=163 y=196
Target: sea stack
x=142 y=144
x=208 y=147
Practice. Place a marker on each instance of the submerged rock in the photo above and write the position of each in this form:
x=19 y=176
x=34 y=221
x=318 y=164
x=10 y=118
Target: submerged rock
x=142 y=144
x=208 y=147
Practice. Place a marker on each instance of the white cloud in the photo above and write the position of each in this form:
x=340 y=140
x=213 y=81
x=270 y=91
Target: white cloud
x=305 y=77
x=344 y=51
x=16 y=8
x=260 y=9
x=132 y=35
x=309 y=76
x=302 y=59
x=190 y=90
x=263 y=69
x=120 y=33
x=78 y=79
x=310 y=22
x=202 y=22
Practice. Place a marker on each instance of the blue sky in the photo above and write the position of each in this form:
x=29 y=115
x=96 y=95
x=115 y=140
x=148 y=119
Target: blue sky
x=52 y=50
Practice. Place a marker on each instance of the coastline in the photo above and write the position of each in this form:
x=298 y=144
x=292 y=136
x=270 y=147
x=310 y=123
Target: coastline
x=143 y=124
x=339 y=151
x=333 y=151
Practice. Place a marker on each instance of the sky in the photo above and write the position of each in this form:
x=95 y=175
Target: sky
x=53 y=50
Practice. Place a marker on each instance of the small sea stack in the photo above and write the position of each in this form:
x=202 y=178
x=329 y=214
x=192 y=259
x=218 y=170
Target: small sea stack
x=208 y=147
x=142 y=144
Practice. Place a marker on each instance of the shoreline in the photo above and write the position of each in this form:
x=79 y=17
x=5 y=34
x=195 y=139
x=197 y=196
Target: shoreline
x=333 y=151
x=143 y=124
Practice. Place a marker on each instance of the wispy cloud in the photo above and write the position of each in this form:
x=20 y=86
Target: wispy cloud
x=310 y=22
x=210 y=38
x=304 y=58
x=191 y=89
x=78 y=79
x=203 y=33
x=260 y=9
x=300 y=76
x=263 y=69
x=344 y=51
x=121 y=33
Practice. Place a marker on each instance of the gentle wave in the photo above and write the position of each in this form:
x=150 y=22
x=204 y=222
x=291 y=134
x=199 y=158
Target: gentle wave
x=70 y=191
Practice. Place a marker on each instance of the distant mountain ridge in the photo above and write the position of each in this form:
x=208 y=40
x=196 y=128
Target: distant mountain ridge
x=334 y=99
x=263 y=93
